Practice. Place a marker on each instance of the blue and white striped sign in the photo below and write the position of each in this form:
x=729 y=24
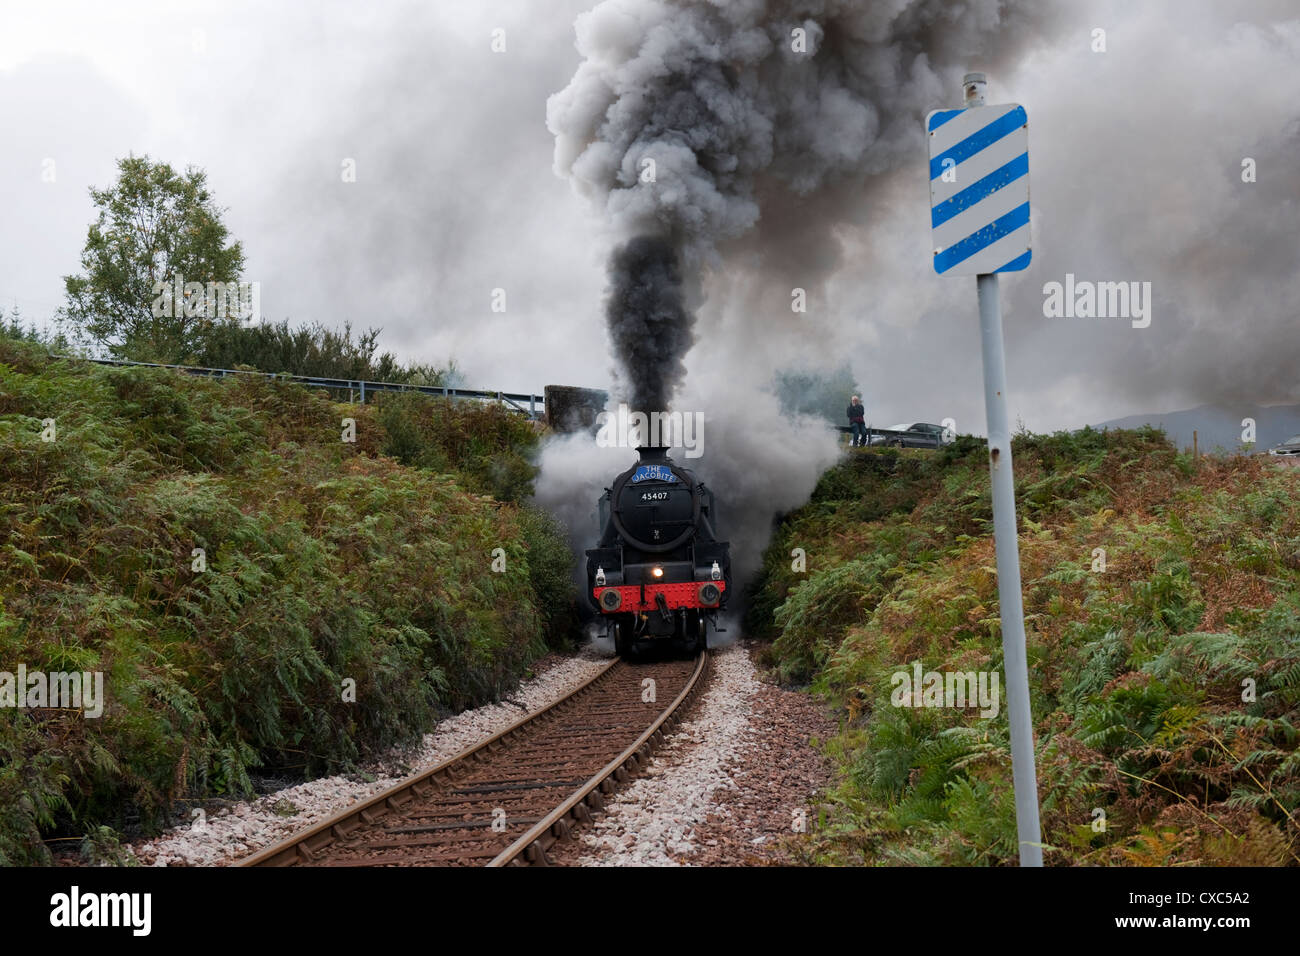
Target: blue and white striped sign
x=979 y=189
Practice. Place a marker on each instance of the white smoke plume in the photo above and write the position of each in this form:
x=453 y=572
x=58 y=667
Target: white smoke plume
x=758 y=462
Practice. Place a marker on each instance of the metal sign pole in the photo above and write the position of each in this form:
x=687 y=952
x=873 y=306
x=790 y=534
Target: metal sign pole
x=1006 y=541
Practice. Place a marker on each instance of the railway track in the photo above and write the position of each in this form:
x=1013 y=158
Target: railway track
x=507 y=800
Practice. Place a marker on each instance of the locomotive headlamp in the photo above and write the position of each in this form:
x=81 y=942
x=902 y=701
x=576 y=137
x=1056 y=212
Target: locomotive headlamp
x=716 y=573
x=600 y=577
x=610 y=599
x=658 y=572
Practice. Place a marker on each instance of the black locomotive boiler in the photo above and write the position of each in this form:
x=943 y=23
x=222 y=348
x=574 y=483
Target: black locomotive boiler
x=659 y=574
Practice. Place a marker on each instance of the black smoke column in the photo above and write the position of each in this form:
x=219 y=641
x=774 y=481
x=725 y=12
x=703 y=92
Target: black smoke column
x=649 y=323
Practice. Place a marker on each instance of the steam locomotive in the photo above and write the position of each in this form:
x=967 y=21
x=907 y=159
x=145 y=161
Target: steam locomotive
x=659 y=575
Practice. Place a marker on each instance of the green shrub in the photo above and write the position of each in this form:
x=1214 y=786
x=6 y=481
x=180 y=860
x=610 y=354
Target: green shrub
x=1166 y=688
x=491 y=447
x=344 y=601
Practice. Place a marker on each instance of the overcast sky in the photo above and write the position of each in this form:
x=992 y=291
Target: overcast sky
x=1135 y=163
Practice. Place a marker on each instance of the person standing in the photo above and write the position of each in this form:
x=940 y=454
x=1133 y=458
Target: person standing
x=857 y=422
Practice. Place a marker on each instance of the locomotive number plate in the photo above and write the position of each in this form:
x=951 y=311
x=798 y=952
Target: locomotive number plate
x=654 y=496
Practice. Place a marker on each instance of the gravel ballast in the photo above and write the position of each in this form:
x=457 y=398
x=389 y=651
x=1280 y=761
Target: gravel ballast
x=730 y=787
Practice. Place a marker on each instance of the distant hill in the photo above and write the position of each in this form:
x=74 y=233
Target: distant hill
x=1219 y=427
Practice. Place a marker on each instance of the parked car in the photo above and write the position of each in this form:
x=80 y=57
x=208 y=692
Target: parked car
x=1289 y=447
x=911 y=435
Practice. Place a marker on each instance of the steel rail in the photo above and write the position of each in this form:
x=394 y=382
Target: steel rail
x=532 y=846
x=302 y=846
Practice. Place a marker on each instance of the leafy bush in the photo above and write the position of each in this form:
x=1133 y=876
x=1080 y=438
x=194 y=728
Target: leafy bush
x=1166 y=687
x=310 y=350
x=256 y=592
x=490 y=445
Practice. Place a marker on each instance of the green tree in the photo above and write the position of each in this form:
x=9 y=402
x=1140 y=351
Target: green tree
x=155 y=227
x=824 y=392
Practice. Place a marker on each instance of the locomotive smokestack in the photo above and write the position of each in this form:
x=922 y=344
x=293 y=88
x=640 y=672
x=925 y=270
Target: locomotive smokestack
x=653 y=453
